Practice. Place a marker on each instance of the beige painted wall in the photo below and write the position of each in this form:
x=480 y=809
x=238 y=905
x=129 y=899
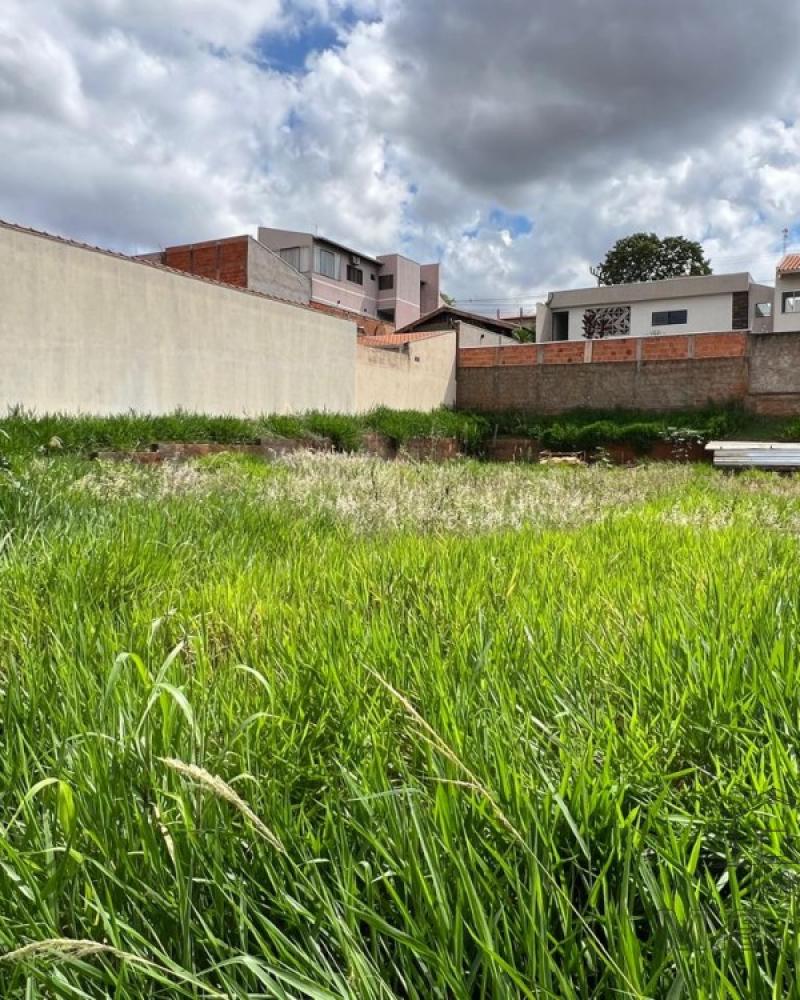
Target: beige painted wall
x=785 y=322
x=421 y=376
x=82 y=331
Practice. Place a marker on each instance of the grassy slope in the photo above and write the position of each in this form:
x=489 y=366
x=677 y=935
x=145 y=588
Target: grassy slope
x=599 y=797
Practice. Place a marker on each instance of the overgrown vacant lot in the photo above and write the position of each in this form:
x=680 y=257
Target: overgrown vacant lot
x=332 y=728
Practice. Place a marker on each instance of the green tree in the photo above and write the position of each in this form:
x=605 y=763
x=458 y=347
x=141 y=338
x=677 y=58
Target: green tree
x=646 y=257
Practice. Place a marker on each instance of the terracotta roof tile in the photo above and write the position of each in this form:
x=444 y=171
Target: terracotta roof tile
x=790 y=264
x=400 y=339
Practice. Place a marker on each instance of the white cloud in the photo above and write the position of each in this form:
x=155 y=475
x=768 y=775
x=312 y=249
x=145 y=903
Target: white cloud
x=137 y=123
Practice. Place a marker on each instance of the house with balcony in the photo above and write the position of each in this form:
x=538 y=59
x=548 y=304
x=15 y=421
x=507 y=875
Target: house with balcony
x=704 y=304
x=390 y=287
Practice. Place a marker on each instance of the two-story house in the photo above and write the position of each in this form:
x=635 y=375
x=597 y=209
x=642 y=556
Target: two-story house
x=389 y=287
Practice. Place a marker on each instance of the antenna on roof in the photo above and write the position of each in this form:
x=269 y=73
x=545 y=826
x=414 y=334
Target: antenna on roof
x=785 y=239
x=596 y=272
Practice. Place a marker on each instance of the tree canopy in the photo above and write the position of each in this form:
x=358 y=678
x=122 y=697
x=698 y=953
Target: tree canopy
x=646 y=257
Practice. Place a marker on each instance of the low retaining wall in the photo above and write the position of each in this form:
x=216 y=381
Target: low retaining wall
x=657 y=374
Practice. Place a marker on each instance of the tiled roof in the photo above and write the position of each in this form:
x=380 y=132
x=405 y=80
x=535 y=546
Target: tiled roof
x=790 y=264
x=399 y=339
x=445 y=313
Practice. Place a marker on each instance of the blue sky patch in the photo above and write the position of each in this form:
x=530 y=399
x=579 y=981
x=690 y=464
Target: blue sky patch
x=287 y=52
x=517 y=225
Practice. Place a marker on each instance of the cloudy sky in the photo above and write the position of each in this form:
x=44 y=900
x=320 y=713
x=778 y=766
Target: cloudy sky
x=514 y=140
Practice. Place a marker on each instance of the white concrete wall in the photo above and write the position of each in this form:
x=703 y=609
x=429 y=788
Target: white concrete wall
x=421 y=376
x=706 y=314
x=82 y=331
x=478 y=336
x=785 y=322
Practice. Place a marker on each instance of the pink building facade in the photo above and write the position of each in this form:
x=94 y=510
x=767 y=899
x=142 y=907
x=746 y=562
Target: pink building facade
x=390 y=287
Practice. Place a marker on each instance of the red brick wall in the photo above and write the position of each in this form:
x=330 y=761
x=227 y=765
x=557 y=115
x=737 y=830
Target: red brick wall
x=665 y=348
x=221 y=260
x=566 y=353
x=617 y=349
x=720 y=345
x=658 y=373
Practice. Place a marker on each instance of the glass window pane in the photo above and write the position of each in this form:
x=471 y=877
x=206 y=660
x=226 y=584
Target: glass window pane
x=327 y=263
x=791 y=302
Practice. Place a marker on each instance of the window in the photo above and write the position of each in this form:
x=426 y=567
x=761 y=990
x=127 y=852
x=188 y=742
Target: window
x=763 y=310
x=326 y=262
x=673 y=317
x=297 y=257
x=355 y=274
x=791 y=302
x=385 y=282
x=560 y=326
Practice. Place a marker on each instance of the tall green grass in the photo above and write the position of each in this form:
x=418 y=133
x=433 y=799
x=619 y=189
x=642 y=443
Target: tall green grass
x=249 y=751
x=25 y=434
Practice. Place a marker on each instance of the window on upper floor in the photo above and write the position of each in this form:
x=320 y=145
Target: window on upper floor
x=671 y=317
x=385 y=282
x=791 y=302
x=297 y=257
x=763 y=310
x=326 y=262
x=355 y=274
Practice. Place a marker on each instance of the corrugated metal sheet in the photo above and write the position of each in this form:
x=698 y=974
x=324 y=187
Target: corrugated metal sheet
x=755 y=454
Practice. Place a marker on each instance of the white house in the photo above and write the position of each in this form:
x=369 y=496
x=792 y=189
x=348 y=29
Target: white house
x=707 y=304
x=787 y=295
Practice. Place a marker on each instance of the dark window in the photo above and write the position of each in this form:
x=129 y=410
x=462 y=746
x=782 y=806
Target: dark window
x=560 y=326
x=387 y=315
x=675 y=317
x=355 y=274
x=741 y=310
x=791 y=302
x=385 y=282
